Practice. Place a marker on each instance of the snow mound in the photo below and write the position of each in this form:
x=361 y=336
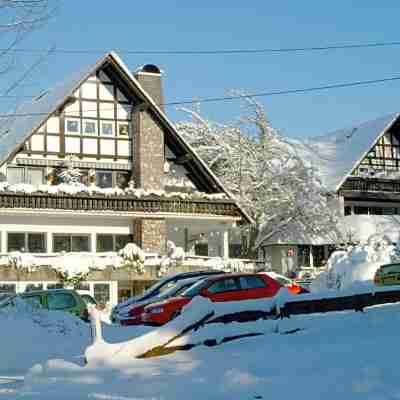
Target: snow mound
x=357 y=265
x=29 y=335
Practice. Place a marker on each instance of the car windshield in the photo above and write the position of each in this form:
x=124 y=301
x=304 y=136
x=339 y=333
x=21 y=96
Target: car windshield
x=195 y=289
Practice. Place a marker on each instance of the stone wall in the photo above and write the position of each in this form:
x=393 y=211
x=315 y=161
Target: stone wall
x=150 y=235
x=148 y=151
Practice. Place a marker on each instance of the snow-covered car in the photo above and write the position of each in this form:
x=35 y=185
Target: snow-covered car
x=157 y=289
x=131 y=315
x=292 y=286
x=67 y=300
x=388 y=274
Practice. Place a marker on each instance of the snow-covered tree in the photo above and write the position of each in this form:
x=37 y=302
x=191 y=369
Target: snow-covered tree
x=265 y=173
x=71 y=175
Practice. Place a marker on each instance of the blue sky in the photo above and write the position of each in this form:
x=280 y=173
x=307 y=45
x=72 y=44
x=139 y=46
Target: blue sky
x=189 y=25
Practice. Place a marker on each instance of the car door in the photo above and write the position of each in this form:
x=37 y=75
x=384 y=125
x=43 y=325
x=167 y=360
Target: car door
x=255 y=287
x=224 y=289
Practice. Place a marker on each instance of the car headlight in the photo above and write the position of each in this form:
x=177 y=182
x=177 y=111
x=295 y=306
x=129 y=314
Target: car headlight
x=156 y=310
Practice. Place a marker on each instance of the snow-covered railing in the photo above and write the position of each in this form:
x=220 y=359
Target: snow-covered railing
x=119 y=203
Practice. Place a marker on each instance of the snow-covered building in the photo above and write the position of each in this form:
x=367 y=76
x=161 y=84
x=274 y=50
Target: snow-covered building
x=95 y=163
x=360 y=167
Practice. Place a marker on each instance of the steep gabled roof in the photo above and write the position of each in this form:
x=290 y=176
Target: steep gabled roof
x=336 y=154
x=30 y=116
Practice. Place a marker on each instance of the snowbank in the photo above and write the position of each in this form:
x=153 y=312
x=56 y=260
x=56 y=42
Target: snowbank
x=30 y=335
x=333 y=356
x=357 y=265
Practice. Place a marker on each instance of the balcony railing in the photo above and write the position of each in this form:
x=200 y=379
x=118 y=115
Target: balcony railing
x=117 y=203
x=371 y=185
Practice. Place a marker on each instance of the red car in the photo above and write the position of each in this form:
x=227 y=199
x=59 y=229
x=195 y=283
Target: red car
x=228 y=287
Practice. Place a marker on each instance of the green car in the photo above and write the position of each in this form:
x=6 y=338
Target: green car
x=388 y=274
x=58 y=299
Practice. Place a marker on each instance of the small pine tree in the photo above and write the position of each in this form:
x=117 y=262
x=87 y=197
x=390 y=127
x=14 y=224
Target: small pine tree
x=71 y=175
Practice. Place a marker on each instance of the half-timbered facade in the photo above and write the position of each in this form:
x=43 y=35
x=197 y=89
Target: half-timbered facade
x=149 y=185
x=361 y=166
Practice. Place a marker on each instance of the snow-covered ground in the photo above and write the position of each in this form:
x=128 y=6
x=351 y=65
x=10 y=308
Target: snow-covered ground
x=345 y=355
x=334 y=356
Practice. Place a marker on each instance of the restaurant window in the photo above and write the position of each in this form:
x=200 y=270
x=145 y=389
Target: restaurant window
x=303 y=256
x=15 y=241
x=122 y=240
x=30 y=287
x=8 y=288
x=101 y=292
x=57 y=285
x=104 y=243
x=70 y=243
x=112 y=242
x=36 y=242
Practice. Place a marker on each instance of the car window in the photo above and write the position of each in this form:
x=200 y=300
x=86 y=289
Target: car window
x=391 y=269
x=195 y=289
x=33 y=300
x=251 y=282
x=88 y=299
x=60 y=301
x=224 y=285
x=166 y=287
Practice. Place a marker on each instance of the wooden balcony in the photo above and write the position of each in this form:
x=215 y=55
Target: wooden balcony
x=124 y=203
x=359 y=184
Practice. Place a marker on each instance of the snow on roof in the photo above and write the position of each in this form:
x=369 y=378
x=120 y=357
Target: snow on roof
x=335 y=154
x=16 y=129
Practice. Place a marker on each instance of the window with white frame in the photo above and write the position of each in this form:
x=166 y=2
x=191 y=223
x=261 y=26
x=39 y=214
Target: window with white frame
x=89 y=127
x=104 y=179
x=71 y=242
x=109 y=242
x=31 y=242
x=31 y=175
x=7 y=288
x=107 y=128
x=123 y=129
x=102 y=292
x=72 y=125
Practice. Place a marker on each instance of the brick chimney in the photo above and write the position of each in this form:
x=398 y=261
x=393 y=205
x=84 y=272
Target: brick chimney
x=149 y=77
